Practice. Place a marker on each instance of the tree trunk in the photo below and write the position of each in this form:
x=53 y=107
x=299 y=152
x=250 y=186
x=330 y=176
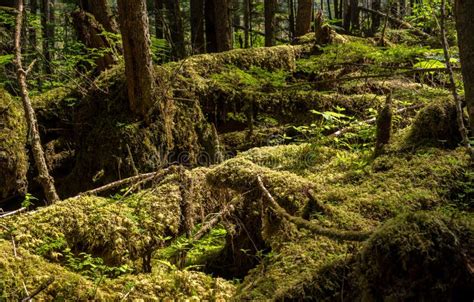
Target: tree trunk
x=376 y=5
x=270 y=22
x=43 y=174
x=218 y=27
x=291 y=19
x=159 y=19
x=354 y=8
x=465 y=29
x=176 y=33
x=247 y=19
x=133 y=22
x=303 y=17
x=102 y=13
x=197 y=26
x=47 y=24
x=346 y=23
x=89 y=31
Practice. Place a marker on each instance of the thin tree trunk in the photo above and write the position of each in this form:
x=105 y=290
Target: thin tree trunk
x=270 y=21
x=376 y=5
x=159 y=19
x=47 y=24
x=197 y=26
x=43 y=174
x=133 y=22
x=291 y=19
x=329 y=9
x=303 y=17
x=176 y=33
x=460 y=114
x=346 y=23
x=247 y=16
x=354 y=8
x=465 y=28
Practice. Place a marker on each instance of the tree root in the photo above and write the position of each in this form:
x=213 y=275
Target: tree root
x=305 y=224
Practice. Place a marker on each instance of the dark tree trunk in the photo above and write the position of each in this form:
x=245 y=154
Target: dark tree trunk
x=247 y=19
x=89 y=31
x=465 y=29
x=101 y=12
x=47 y=24
x=270 y=21
x=303 y=17
x=291 y=19
x=354 y=8
x=176 y=33
x=197 y=26
x=376 y=5
x=133 y=22
x=218 y=27
x=159 y=19
x=346 y=23
x=329 y=10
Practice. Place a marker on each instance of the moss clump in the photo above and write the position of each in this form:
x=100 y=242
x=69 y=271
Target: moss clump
x=13 y=157
x=117 y=231
x=435 y=124
x=420 y=256
x=25 y=270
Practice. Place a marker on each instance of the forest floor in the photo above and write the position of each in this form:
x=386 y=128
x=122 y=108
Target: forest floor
x=270 y=192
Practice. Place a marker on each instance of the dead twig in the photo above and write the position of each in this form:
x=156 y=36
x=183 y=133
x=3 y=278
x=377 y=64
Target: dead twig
x=41 y=288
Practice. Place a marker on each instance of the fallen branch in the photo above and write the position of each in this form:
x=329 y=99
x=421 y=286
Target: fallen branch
x=308 y=225
x=370 y=121
x=141 y=178
x=41 y=288
x=392 y=19
x=226 y=211
x=20 y=210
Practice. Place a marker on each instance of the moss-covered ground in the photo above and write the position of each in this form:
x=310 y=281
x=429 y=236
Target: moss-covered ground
x=345 y=226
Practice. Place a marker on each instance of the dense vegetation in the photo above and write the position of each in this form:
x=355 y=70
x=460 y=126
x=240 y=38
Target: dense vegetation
x=250 y=150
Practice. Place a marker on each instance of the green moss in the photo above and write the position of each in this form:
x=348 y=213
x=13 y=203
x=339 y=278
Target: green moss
x=418 y=256
x=13 y=157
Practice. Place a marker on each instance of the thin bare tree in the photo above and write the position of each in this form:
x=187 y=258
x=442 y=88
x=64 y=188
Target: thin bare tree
x=43 y=174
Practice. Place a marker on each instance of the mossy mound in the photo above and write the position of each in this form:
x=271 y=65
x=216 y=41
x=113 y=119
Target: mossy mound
x=436 y=124
x=420 y=256
x=22 y=271
x=13 y=157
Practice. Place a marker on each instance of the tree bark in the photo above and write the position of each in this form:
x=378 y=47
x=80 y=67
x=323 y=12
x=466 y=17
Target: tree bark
x=133 y=22
x=291 y=20
x=44 y=177
x=47 y=24
x=218 y=27
x=159 y=19
x=102 y=13
x=176 y=33
x=89 y=31
x=303 y=17
x=465 y=29
x=354 y=8
x=197 y=26
x=270 y=21
x=377 y=6
x=247 y=20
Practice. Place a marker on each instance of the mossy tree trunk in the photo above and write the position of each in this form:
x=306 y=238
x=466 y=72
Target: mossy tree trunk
x=176 y=33
x=465 y=29
x=270 y=21
x=133 y=21
x=43 y=174
x=303 y=17
x=197 y=26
